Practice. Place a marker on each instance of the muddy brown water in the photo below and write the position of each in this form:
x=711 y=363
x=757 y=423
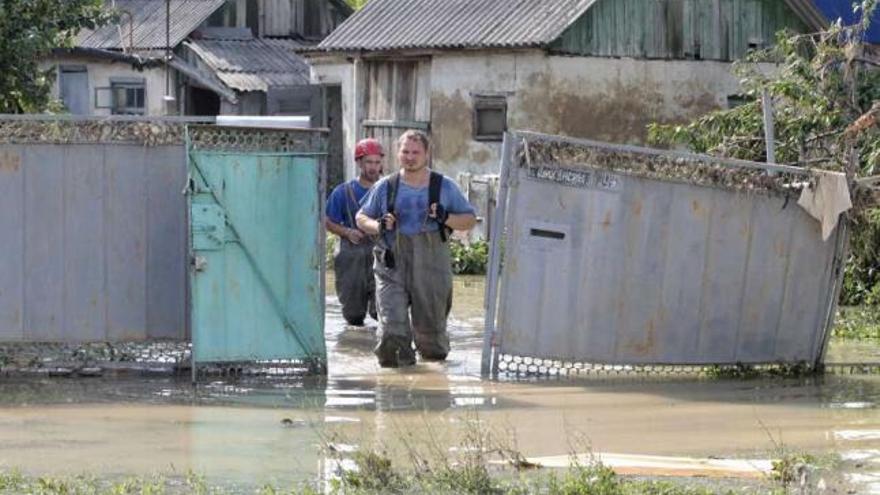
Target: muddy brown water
x=249 y=432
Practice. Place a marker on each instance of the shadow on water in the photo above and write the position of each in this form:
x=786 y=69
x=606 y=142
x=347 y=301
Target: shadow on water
x=251 y=430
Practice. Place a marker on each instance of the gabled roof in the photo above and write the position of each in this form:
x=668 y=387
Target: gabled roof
x=399 y=24
x=146 y=28
x=253 y=64
x=443 y=24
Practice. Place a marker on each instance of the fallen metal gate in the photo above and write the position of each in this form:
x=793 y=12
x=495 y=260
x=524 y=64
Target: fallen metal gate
x=619 y=255
x=256 y=270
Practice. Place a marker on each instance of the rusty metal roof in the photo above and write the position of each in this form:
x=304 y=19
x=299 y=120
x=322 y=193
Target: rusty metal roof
x=146 y=27
x=255 y=64
x=398 y=24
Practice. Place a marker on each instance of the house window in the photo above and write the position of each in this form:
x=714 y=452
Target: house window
x=123 y=97
x=490 y=117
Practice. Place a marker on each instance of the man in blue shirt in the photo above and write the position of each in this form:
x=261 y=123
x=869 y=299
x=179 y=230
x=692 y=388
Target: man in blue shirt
x=413 y=211
x=353 y=263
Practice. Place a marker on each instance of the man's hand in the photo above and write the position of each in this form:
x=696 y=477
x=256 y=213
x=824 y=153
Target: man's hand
x=354 y=236
x=387 y=223
x=439 y=213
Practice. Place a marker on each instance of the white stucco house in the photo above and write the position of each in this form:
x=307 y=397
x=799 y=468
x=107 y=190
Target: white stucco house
x=195 y=57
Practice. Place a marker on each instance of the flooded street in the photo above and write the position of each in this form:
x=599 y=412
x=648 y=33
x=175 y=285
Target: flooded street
x=249 y=432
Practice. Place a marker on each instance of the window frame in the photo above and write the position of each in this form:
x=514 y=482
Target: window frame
x=483 y=102
x=117 y=83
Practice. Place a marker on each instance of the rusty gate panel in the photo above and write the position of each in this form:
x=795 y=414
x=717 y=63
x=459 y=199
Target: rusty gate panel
x=609 y=259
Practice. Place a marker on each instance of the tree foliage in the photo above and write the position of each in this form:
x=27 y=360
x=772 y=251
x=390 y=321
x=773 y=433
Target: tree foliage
x=825 y=92
x=356 y=4
x=29 y=30
x=820 y=84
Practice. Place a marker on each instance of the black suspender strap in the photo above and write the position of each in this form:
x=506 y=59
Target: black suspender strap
x=391 y=192
x=349 y=191
x=435 y=186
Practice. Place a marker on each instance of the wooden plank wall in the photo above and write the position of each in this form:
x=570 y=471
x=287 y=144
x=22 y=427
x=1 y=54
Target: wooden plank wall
x=677 y=29
x=398 y=90
x=311 y=18
x=398 y=94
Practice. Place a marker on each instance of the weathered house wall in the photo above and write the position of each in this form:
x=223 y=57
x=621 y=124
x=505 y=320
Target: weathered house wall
x=606 y=75
x=591 y=97
x=331 y=71
x=677 y=29
x=101 y=73
x=395 y=95
x=308 y=18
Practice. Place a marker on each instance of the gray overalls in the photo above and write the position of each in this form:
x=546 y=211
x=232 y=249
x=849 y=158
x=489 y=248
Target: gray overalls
x=414 y=298
x=353 y=266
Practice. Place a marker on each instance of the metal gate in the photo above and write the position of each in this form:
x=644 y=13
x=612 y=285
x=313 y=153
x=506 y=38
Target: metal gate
x=628 y=256
x=256 y=239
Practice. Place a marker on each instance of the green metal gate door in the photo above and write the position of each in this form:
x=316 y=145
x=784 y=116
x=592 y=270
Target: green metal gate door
x=256 y=273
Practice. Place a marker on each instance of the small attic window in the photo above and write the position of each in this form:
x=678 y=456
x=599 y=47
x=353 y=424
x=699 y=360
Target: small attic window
x=490 y=117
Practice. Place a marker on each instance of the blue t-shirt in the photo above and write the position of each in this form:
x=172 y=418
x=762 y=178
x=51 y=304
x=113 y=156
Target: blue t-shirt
x=340 y=207
x=411 y=204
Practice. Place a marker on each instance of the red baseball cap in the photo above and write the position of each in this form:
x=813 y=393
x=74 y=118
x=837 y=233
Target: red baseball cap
x=369 y=146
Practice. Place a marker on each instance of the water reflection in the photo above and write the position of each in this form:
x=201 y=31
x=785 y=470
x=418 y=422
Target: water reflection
x=251 y=430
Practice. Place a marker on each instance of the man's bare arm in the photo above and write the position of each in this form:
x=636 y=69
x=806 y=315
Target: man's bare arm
x=461 y=221
x=353 y=235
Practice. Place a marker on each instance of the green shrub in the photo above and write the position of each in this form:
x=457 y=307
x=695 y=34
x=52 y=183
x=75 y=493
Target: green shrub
x=857 y=323
x=330 y=250
x=469 y=259
x=861 y=279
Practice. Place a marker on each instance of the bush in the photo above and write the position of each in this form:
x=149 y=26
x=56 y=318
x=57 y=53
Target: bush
x=469 y=259
x=330 y=250
x=861 y=279
x=857 y=323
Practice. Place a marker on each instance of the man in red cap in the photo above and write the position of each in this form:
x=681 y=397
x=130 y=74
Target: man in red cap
x=353 y=263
